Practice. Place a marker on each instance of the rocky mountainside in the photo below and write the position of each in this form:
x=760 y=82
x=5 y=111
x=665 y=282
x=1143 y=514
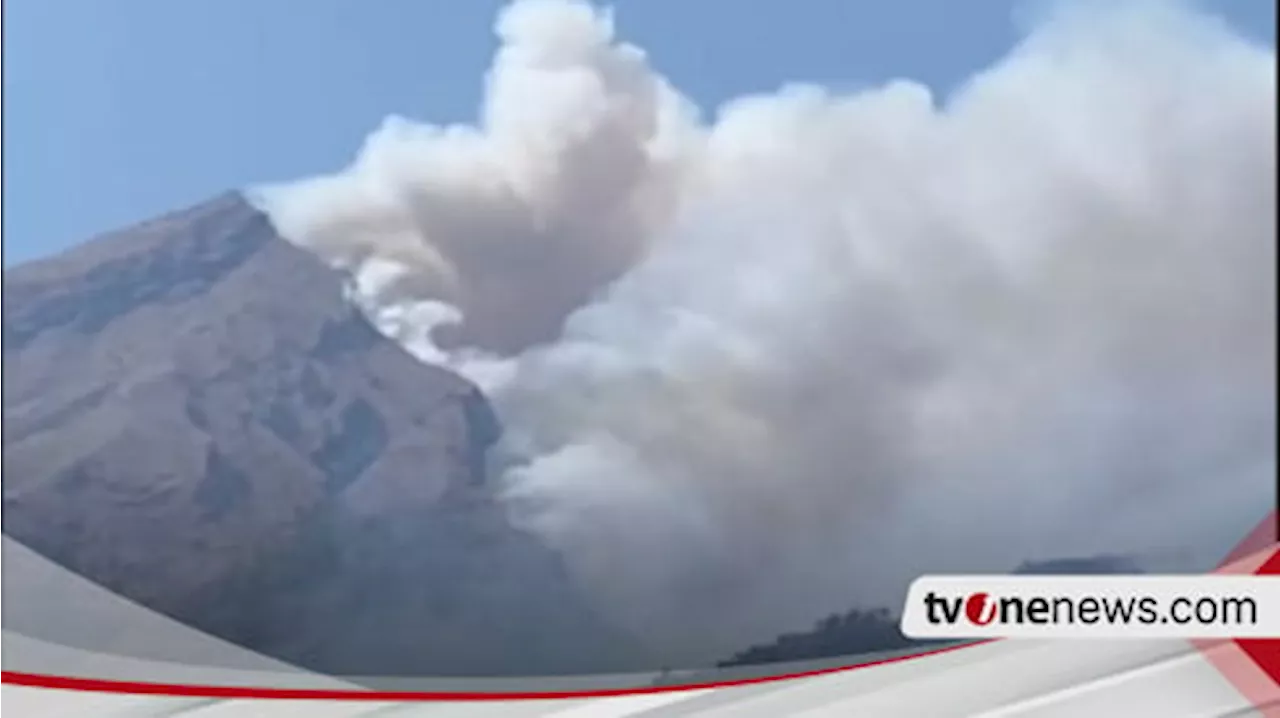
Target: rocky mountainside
x=196 y=418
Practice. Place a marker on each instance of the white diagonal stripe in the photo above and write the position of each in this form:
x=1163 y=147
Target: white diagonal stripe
x=622 y=706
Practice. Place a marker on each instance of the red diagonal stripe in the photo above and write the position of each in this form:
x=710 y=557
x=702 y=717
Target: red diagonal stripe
x=1265 y=534
x=1250 y=665
x=1266 y=652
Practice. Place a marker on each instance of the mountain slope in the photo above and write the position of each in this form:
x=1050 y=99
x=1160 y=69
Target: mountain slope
x=196 y=418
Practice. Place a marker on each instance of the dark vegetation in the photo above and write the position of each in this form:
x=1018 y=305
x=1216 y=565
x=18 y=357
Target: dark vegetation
x=852 y=633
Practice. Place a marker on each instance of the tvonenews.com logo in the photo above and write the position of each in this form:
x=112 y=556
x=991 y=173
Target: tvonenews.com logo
x=1093 y=606
x=983 y=609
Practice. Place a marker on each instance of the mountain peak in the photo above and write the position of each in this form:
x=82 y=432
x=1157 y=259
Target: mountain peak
x=193 y=409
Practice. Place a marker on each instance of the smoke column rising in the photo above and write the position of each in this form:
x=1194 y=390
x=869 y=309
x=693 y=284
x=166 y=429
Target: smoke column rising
x=760 y=367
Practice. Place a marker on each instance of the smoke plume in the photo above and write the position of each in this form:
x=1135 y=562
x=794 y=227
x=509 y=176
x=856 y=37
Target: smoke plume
x=765 y=365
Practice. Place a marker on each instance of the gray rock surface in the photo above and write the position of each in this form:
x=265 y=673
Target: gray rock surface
x=197 y=419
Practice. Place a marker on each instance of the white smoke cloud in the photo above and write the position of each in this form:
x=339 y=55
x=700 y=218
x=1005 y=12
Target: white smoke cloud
x=761 y=368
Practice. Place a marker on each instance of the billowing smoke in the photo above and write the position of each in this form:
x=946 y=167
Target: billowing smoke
x=774 y=364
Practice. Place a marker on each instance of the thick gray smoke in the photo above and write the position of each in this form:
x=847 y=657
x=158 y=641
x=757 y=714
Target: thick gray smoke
x=766 y=366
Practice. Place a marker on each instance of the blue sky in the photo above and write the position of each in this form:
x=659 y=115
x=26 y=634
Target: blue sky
x=116 y=111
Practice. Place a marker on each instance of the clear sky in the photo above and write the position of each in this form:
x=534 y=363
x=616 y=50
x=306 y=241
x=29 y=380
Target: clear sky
x=118 y=110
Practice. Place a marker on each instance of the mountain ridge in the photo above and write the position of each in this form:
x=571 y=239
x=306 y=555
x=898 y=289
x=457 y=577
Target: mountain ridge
x=193 y=409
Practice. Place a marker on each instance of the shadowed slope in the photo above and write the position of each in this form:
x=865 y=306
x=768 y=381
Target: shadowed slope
x=196 y=418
